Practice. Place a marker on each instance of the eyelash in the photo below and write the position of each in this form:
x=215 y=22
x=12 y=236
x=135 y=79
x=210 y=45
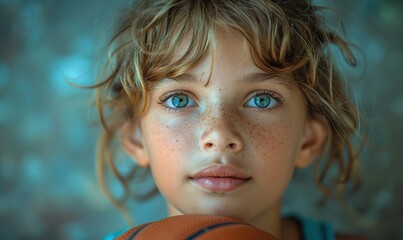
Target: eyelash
x=170 y=94
x=167 y=95
x=270 y=93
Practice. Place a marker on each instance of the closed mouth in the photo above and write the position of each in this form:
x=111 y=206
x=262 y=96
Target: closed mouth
x=220 y=178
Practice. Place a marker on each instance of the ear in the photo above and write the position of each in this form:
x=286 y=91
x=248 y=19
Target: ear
x=132 y=142
x=314 y=137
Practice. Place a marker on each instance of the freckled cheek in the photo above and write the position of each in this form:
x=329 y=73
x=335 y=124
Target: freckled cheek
x=270 y=141
x=172 y=138
x=272 y=156
x=169 y=148
x=264 y=139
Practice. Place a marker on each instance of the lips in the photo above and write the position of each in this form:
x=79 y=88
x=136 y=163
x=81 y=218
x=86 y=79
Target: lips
x=220 y=178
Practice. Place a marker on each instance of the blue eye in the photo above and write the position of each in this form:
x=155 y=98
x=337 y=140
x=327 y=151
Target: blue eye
x=262 y=101
x=178 y=100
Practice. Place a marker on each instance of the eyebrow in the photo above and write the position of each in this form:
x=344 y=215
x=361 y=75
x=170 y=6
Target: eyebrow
x=256 y=77
x=263 y=77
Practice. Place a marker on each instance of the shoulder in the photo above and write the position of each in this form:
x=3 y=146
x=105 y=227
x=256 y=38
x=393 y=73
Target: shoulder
x=309 y=228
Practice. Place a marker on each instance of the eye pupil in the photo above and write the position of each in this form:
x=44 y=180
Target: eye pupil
x=180 y=101
x=262 y=101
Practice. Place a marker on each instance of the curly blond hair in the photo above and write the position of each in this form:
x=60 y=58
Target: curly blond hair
x=285 y=37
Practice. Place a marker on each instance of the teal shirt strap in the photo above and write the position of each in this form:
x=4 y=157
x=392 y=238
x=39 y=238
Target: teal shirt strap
x=314 y=230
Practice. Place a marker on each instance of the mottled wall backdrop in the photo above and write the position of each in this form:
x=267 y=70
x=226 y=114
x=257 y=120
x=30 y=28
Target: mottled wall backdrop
x=48 y=188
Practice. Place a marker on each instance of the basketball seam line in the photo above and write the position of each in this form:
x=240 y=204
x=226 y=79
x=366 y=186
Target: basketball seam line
x=211 y=227
x=137 y=232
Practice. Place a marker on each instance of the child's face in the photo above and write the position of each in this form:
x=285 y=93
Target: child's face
x=253 y=125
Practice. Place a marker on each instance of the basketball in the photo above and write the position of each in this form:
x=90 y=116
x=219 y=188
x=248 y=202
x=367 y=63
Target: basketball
x=196 y=227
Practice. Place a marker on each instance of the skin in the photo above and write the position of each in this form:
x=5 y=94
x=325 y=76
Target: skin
x=222 y=125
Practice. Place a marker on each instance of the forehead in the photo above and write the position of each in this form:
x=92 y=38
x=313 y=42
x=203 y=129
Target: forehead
x=228 y=49
x=218 y=39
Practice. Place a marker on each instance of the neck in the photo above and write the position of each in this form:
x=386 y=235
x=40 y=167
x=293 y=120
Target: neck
x=272 y=222
x=269 y=221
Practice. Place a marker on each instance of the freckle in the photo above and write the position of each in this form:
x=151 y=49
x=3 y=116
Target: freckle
x=177 y=140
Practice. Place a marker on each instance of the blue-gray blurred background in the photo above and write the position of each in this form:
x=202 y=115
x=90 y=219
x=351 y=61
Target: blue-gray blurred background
x=48 y=187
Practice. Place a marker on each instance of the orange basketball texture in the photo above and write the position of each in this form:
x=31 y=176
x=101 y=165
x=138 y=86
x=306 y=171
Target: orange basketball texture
x=196 y=227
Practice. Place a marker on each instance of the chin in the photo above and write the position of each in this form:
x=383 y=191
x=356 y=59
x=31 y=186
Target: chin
x=222 y=211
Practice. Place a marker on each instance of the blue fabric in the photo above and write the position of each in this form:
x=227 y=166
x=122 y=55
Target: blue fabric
x=314 y=230
x=112 y=236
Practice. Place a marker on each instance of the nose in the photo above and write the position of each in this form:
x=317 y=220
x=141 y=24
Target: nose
x=219 y=133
